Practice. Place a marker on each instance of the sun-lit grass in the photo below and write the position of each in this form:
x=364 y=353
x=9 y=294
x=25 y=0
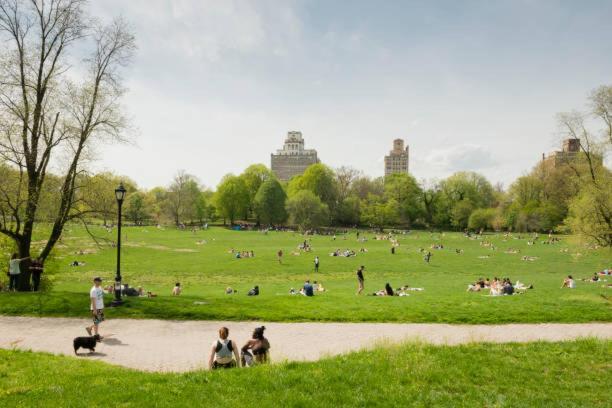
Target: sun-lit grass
x=156 y=259
x=572 y=374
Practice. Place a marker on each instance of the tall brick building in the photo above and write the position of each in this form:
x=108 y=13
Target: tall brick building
x=292 y=159
x=570 y=149
x=397 y=160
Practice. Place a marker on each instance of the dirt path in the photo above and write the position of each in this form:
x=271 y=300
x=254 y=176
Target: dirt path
x=161 y=345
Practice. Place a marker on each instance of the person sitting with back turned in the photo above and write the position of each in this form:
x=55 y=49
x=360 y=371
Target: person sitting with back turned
x=308 y=289
x=254 y=291
x=176 y=291
x=223 y=352
x=255 y=351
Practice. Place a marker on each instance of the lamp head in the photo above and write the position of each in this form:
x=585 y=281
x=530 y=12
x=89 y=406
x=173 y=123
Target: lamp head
x=120 y=193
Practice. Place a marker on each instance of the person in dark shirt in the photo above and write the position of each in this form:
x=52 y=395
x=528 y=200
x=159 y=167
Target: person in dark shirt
x=308 y=289
x=36 y=268
x=389 y=290
x=254 y=291
x=316 y=264
x=360 y=279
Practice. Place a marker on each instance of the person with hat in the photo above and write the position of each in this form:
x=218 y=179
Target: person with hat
x=96 y=298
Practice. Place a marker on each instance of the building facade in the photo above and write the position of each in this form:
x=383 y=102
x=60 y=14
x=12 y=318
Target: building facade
x=292 y=159
x=397 y=160
x=570 y=149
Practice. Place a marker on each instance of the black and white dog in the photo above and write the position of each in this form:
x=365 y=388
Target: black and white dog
x=86 y=343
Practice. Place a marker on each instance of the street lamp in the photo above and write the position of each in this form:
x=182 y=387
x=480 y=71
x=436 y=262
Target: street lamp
x=119 y=195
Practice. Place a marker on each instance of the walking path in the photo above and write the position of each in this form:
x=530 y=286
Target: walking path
x=162 y=345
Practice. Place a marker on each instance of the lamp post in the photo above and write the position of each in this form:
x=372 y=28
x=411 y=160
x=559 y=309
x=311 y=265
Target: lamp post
x=119 y=195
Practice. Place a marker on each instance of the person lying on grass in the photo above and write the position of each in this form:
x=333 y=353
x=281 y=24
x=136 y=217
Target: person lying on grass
x=223 y=351
x=476 y=286
x=593 y=279
x=256 y=350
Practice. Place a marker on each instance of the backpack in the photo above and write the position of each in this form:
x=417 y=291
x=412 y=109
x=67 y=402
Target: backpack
x=224 y=350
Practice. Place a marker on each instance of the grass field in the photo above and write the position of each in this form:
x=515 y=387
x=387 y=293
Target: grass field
x=572 y=374
x=156 y=259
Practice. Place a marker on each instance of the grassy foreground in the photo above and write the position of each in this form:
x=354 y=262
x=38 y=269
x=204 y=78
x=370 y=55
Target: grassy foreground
x=571 y=374
x=157 y=258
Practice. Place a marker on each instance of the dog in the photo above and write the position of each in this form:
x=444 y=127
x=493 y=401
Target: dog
x=86 y=343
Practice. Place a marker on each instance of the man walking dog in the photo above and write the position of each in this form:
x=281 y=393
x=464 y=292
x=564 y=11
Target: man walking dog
x=96 y=299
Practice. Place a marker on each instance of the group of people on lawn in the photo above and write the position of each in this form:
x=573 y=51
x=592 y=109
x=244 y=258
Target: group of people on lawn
x=498 y=287
x=223 y=351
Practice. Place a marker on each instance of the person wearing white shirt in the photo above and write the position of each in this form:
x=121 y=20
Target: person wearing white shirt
x=15 y=271
x=96 y=299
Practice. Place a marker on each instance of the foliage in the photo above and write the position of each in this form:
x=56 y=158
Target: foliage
x=269 y=203
x=232 y=197
x=307 y=211
x=482 y=219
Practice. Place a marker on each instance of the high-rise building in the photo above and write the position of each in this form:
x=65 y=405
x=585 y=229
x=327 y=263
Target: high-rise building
x=397 y=160
x=292 y=159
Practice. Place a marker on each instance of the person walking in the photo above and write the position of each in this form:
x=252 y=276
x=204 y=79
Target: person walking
x=360 y=279
x=279 y=254
x=96 y=298
x=36 y=268
x=15 y=271
x=316 y=264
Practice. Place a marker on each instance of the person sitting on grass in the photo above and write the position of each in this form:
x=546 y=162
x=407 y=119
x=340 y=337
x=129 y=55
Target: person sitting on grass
x=495 y=287
x=176 y=291
x=318 y=286
x=230 y=291
x=256 y=350
x=387 y=291
x=507 y=288
x=223 y=352
x=569 y=282
x=254 y=291
x=308 y=289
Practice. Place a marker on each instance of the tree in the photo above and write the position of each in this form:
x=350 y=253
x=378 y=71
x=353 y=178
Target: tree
x=138 y=208
x=307 y=211
x=482 y=218
x=345 y=177
x=379 y=213
x=177 y=199
x=254 y=176
x=44 y=111
x=349 y=211
x=404 y=189
x=461 y=193
x=270 y=203
x=593 y=177
x=319 y=179
x=97 y=194
x=590 y=212
x=232 y=197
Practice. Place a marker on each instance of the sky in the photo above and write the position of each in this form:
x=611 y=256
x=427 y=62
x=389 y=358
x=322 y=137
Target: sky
x=470 y=85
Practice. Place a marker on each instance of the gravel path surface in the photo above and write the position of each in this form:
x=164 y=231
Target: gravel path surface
x=162 y=345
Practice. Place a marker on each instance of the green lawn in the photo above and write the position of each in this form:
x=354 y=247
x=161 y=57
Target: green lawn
x=155 y=259
x=572 y=374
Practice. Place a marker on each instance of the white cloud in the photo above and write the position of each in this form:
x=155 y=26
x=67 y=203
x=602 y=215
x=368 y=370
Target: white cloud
x=460 y=157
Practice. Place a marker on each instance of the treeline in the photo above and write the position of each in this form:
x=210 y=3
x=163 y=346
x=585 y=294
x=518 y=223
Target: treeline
x=572 y=195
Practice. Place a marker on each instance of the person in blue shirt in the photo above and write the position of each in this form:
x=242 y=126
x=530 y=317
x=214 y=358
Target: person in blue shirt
x=308 y=289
